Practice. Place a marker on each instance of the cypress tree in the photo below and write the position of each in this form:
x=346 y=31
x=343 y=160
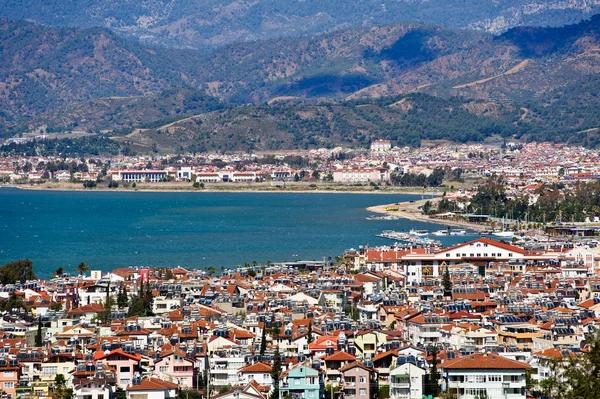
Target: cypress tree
x=309 y=336
x=275 y=373
x=263 y=340
x=446 y=282
x=38 y=336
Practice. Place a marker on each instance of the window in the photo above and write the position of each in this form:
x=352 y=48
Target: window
x=297 y=381
x=311 y=394
x=362 y=380
x=510 y=254
x=124 y=369
x=363 y=392
x=164 y=369
x=9 y=373
x=447 y=255
x=87 y=396
x=479 y=255
x=52 y=370
x=9 y=384
x=494 y=378
x=480 y=378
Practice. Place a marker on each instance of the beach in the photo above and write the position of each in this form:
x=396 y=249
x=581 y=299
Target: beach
x=265 y=187
x=411 y=211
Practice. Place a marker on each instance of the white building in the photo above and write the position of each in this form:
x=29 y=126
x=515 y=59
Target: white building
x=381 y=146
x=361 y=175
x=138 y=176
x=406 y=382
x=485 y=375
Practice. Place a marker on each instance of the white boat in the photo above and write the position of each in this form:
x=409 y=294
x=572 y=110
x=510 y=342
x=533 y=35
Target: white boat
x=504 y=233
x=440 y=233
x=418 y=233
x=458 y=232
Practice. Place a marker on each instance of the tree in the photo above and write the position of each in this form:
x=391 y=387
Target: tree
x=38 y=335
x=120 y=393
x=169 y=275
x=59 y=272
x=20 y=270
x=83 y=268
x=211 y=270
x=275 y=373
x=13 y=302
x=353 y=312
x=309 y=333
x=432 y=378
x=577 y=377
x=447 y=282
x=61 y=391
x=263 y=340
x=122 y=299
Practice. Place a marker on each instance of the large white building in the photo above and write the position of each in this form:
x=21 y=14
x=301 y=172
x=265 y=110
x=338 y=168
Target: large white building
x=381 y=146
x=138 y=176
x=361 y=175
x=485 y=375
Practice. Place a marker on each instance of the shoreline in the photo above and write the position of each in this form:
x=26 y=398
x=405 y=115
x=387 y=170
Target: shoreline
x=241 y=189
x=411 y=211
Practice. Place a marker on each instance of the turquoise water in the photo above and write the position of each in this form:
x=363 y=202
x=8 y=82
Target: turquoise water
x=115 y=229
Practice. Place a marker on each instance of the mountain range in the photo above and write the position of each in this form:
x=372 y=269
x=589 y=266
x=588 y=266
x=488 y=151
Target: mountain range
x=529 y=82
x=211 y=23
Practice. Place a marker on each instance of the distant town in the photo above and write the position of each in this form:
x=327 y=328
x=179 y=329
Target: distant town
x=510 y=314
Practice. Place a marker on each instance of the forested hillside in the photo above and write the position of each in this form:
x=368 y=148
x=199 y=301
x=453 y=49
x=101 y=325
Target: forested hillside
x=210 y=23
x=529 y=82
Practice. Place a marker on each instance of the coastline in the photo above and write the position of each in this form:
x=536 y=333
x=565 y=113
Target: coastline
x=411 y=211
x=172 y=188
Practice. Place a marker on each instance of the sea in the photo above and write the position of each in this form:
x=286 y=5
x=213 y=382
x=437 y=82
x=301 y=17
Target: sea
x=108 y=230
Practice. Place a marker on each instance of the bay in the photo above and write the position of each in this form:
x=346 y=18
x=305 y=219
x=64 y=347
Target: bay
x=193 y=230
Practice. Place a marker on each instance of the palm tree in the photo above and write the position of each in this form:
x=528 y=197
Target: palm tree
x=59 y=272
x=83 y=268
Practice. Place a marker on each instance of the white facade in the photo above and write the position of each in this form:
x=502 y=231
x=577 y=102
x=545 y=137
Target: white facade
x=406 y=382
x=381 y=146
x=496 y=384
x=361 y=176
x=138 y=176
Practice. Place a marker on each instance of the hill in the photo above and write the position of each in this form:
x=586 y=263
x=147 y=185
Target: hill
x=91 y=79
x=211 y=23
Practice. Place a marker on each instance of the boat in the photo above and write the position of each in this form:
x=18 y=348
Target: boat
x=458 y=232
x=418 y=233
x=440 y=233
x=408 y=238
x=504 y=233
x=392 y=208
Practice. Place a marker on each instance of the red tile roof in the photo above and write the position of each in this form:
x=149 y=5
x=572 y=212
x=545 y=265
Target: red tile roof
x=483 y=361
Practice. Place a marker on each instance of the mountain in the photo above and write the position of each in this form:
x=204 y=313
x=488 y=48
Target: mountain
x=92 y=79
x=210 y=23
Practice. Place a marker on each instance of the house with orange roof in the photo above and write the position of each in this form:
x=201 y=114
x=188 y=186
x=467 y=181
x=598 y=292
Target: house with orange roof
x=174 y=365
x=259 y=372
x=485 y=375
x=152 y=388
x=334 y=362
x=126 y=364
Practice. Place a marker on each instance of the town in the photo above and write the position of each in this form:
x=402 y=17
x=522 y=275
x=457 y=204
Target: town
x=479 y=319
x=521 y=165
x=511 y=313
